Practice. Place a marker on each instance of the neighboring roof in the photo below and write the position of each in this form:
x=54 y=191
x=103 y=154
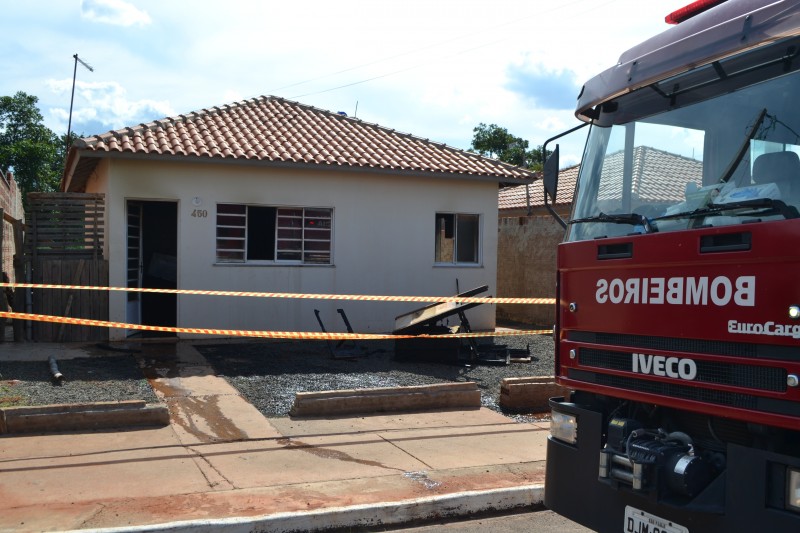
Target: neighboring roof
x=273 y=131
x=657 y=176
x=517 y=197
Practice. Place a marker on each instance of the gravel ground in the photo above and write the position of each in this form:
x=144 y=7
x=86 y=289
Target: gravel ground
x=95 y=379
x=268 y=373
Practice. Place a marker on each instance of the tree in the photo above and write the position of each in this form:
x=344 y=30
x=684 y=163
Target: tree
x=27 y=145
x=536 y=159
x=494 y=141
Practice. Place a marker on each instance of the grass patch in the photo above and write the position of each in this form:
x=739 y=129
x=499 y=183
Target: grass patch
x=9 y=397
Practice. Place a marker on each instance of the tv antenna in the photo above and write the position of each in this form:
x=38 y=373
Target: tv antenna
x=72 y=98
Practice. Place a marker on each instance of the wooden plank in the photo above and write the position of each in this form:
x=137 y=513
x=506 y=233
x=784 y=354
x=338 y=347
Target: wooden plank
x=76 y=280
x=100 y=301
x=70 y=254
x=434 y=312
x=56 y=299
x=36 y=297
x=66 y=225
x=56 y=211
x=57 y=195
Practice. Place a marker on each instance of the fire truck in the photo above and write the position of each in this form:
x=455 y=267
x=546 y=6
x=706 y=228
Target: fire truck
x=678 y=291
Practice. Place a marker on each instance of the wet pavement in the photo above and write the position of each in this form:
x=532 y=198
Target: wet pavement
x=221 y=464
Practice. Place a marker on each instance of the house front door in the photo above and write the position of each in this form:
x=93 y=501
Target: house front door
x=152 y=263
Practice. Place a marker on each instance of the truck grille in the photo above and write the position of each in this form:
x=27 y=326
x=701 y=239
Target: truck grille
x=754 y=377
x=753 y=380
x=698 y=346
x=698 y=394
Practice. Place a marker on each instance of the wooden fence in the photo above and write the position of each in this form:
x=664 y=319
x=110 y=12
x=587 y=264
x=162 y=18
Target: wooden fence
x=64 y=246
x=65 y=225
x=71 y=303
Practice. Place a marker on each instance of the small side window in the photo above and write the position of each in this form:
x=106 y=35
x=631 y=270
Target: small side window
x=457 y=238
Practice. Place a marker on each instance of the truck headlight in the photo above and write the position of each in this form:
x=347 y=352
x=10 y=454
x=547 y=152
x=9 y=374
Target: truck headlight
x=564 y=427
x=793 y=490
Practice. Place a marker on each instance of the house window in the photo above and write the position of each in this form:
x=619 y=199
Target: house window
x=254 y=233
x=457 y=238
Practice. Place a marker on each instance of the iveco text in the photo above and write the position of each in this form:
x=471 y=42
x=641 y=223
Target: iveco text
x=659 y=365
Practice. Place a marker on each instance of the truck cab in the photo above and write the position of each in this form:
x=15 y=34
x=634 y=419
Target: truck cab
x=678 y=322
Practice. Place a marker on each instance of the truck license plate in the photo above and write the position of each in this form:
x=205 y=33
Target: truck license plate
x=637 y=521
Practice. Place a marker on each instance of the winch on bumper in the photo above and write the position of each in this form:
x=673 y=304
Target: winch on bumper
x=747 y=490
x=652 y=460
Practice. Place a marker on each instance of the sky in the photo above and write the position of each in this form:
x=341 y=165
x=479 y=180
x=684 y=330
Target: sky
x=432 y=68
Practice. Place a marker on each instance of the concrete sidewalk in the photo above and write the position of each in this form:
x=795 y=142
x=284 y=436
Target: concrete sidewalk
x=222 y=466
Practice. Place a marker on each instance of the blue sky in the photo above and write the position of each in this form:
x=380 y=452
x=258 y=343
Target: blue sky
x=432 y=68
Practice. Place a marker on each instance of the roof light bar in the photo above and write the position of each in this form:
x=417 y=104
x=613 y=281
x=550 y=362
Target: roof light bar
x=687 y=12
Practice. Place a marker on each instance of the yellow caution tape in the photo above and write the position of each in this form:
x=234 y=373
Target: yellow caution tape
x=356 y=297
x=303 y=335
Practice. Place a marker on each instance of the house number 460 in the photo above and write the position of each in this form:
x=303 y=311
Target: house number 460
x=199 y=213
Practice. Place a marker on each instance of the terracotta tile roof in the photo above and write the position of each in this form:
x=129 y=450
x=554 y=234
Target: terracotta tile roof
x=274 y=130
x=516 y=197
x=658 y=176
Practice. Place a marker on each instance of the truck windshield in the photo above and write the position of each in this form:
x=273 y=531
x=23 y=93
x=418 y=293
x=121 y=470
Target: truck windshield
x=723 y=154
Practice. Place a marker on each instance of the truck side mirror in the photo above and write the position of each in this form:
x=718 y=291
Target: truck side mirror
x=550 y=178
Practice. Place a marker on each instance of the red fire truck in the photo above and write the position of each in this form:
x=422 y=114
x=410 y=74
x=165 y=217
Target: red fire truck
x=678 y=323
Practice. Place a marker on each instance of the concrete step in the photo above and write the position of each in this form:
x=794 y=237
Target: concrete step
x=82 y=416
x=388 y=399
x=529 y=394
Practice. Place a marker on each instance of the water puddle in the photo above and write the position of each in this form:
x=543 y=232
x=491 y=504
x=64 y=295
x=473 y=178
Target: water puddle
x=199 y=416
x=422 y=478
x=328 y=453
x=202 y=417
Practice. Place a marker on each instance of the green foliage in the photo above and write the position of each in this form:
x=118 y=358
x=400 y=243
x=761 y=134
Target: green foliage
x=494 y=141
x=27 y=145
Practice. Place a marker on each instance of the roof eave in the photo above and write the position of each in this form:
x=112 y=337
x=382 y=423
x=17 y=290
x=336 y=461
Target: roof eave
x=76 y=155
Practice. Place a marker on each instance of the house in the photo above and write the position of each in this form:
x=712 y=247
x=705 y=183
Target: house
x=529 y=235
x=270 y=195
x=528 y=200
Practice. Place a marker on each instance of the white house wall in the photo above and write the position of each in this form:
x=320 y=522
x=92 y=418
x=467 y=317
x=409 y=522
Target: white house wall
x=383 y=242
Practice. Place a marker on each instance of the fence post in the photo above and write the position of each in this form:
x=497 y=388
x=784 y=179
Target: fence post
x=19 y=274
x=3 y=304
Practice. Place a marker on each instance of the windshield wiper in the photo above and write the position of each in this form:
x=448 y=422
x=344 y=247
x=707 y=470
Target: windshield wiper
x=745 y=146
x=750 y=207
x=634 y=219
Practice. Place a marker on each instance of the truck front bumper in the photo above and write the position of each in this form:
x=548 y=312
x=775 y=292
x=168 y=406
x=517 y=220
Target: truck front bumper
x=748 y=496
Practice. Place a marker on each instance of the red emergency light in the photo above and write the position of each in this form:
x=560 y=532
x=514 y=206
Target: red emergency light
x=687 y=12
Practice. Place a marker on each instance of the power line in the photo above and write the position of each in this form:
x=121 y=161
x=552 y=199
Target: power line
x=394 y=72
x=424 y=48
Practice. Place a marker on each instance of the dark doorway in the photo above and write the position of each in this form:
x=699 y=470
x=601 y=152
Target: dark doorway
x=152 y=262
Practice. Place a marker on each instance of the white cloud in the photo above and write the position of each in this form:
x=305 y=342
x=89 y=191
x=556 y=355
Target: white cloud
x=431 y=69
x=230 y=96
x=106 y=104
x=116 y=12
